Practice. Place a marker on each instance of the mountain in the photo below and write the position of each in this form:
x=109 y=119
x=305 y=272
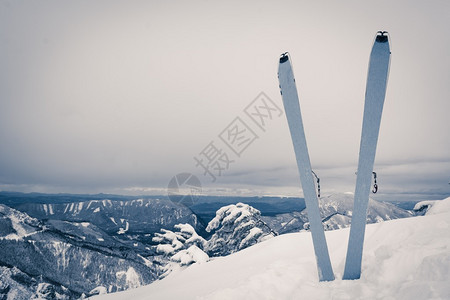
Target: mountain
x=64 y=250
x=336 y=211
x=64 y=258
x=206 y=206
x=139 y=216
x=15 y=198
x=403 y=259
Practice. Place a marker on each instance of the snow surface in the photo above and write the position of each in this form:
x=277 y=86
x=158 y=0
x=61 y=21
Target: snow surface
x=191 y=255
x=424 y=204
x=403 y=259
x=100 y=290
x=255 y=232
x=439 y=207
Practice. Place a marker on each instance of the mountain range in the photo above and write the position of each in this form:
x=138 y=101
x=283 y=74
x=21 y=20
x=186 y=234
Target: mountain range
x=403 y=259
x=336 y=212
x=64 y=250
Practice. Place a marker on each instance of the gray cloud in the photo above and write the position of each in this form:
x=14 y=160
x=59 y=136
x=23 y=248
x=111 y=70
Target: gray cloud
x=109 y=96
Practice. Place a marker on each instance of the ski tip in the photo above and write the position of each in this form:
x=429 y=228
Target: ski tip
x=382 y=36
x=284 y=57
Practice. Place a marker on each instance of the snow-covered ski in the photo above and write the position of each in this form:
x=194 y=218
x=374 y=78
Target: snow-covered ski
x=373 y=107
x=294 y=117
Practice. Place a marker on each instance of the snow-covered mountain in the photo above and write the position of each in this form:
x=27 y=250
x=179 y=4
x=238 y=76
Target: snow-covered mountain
x=403 y=259
x=64 y=258
x=117 y=217
x=336 y=212
x=66 y=249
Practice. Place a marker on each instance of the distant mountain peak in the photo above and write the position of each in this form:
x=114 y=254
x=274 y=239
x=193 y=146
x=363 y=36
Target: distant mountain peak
x=336 y=211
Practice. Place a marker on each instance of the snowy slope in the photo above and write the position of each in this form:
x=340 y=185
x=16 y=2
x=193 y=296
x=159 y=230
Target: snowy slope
x=403 y=259
x=63 y=257
x=15 y=225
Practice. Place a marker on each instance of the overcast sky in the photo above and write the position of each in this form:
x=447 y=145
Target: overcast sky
x=120 y=96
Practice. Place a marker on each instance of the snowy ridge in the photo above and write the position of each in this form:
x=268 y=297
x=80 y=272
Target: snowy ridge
x=424 y=206
x=66 y=258
x=403 y=259
x=439 y=206
x=16 y=225
x=117 y=217
x=336 y=212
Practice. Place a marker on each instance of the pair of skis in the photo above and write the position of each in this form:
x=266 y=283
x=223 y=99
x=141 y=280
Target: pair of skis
x=374 y=100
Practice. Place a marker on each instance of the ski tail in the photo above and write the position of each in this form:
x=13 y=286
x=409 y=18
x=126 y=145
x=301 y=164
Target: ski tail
x=291 y=104
x=373 y=107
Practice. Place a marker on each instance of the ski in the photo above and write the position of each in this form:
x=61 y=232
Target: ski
x=292 y=109
x=373 y=107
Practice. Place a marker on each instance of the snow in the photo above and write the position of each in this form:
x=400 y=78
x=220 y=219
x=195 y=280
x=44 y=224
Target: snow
x=100 y=290
x=97 y=210
x=60 y=249
x=423 y=204
x=20 y=223
x=122 y=230
x=16 y=223
x=132 y=278
x=255 y=232
x=186 y=228
x=439 y=207
x=191 y=255
x=147 y=262
x=164 y=249
x=66 y=208
x=167 y=234
x=48 y=209
x=189 y=232
x=402 y=259
x=231 y=213
x=433 y=206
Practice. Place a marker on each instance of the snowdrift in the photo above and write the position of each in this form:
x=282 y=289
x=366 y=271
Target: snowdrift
x=403 y=259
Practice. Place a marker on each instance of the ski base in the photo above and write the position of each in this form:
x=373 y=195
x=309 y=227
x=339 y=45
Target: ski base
x=293 y=114
x=373 y=107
